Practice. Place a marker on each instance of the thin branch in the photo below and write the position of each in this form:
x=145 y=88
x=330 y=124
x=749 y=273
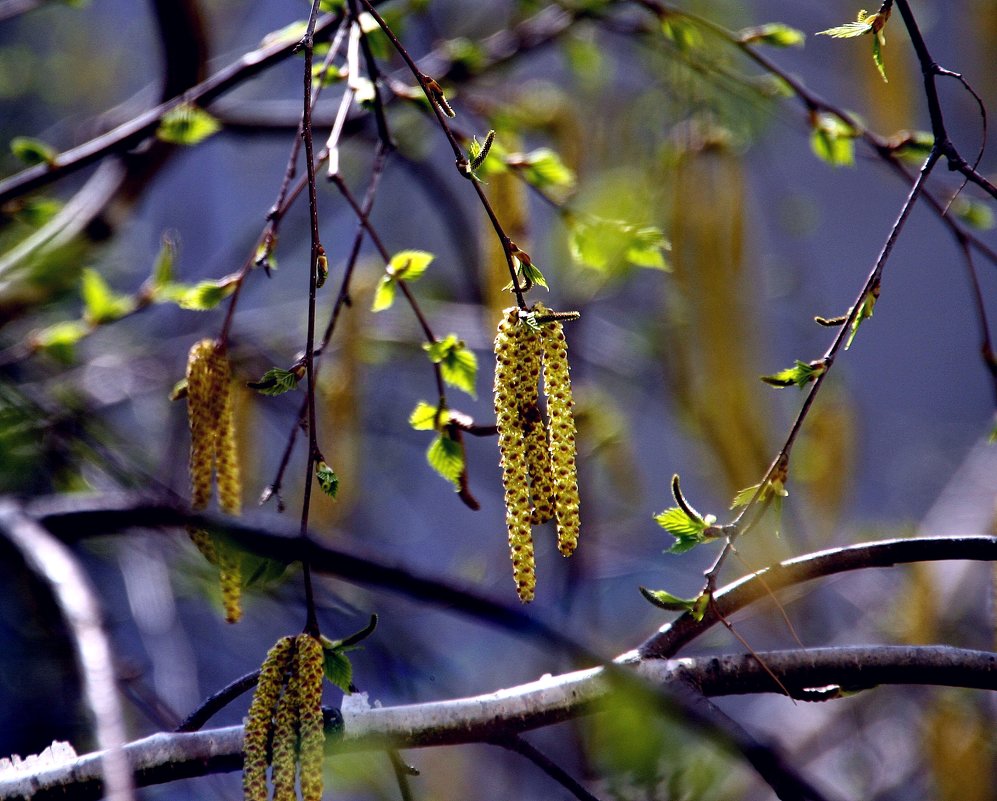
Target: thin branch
x=77 y=602
x=218 y=701
x=518 y=745
x=552 y=699
x=134 y=131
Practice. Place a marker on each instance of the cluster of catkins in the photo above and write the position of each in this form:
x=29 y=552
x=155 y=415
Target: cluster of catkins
x=213 y=452
x=538 y=459
x=287 y=711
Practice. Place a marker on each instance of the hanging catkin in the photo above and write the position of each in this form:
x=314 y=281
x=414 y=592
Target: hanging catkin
x=515 y=344
x=213 y=451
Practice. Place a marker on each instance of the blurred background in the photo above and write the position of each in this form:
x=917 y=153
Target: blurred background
x=672 y=129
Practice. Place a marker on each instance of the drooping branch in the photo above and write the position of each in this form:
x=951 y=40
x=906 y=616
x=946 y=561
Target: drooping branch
x=505 y=713
x=78 y=604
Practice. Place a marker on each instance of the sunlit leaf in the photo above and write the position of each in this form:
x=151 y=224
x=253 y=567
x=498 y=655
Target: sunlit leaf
x=458 y=364
x=427 y=417
x=36 y=211
x=665 y=600
x=58 y=340
x=187 y=125
x=203 y=296
x=544 y=169
x=974 y=213
x=865 y=312
x=606 y=245
x=384 y=295
x=774 y=488
x=800 y=374
x=101 y=304
x=409 y=265
x=446 y=457
x=832 y=140
x=774 y=34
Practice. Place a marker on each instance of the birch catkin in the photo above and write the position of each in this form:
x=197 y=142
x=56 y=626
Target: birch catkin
x=514 y=345
x=213 y=451
x=538 y=460
x=561 y=436
x=287 y=709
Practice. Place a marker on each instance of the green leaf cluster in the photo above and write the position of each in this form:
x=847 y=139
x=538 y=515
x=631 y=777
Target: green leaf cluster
x=974 y=213
x=527 y=274
x=187 y=125
x=445 y=454
x=832 y=140
x=606 y=245
x=681 y=32
x=800 y=374
x=406 y=265
x=202 y=296
x=865 y=23
x=458 y=364
x=59 y=340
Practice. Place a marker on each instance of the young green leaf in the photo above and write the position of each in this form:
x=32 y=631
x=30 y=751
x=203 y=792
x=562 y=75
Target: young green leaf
x=478 y=152
x=338 y=669
x=327 y=479
x=427 y=417
x=832 y=140
x=800 y=374
x=384 y=294
x=33 y=151
x=446 y=457
x=203 y=296
x=774 y=34
x=974 y=213
x=58 y=340
x=688 y=531
x=865 y=312
x=101 y=304
x=681 y=32
x=665 y=600
x=162 y=267
x=606 y=245
x=865 y=24
x=187 y=125
x=544 y=169
x=912 y=146
x=275 y=381
x=409 y=265
x=458 y=364
x=773 y=489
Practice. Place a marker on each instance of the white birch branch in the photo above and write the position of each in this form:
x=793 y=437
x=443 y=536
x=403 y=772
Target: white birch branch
x=169 y=756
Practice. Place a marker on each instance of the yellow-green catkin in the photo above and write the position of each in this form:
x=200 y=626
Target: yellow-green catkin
x=561 y=436
x=285 y=739
x=213 y=450
x=310 y=660
x=260 y=722
x=514 y=344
